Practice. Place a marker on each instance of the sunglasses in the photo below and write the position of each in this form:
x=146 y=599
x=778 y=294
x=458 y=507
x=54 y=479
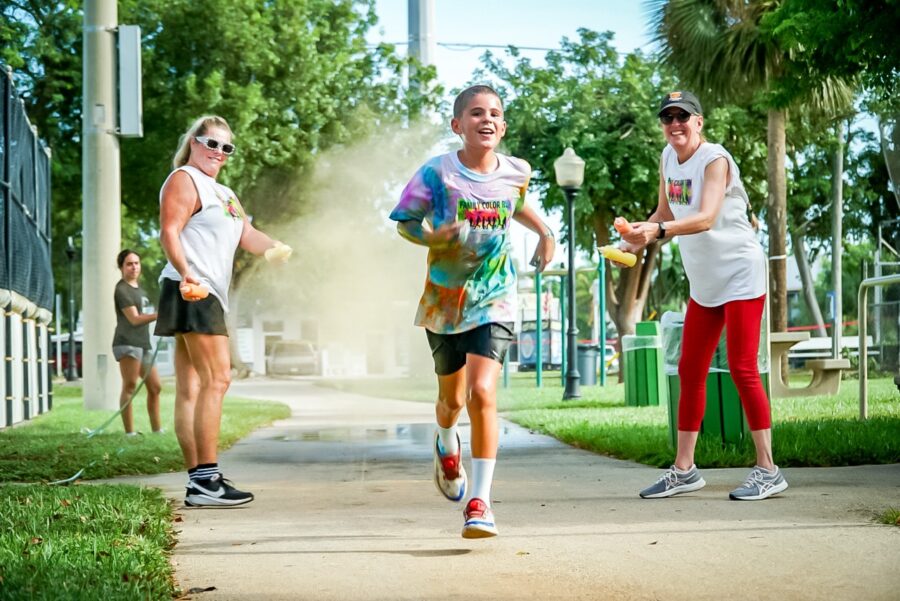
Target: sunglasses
x=214 y=144
x=681 y=117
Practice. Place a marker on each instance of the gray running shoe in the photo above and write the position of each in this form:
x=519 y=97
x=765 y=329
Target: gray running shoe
x=759 y=485
x=673 y=482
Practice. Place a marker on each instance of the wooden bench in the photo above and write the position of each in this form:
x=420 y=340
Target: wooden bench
x=826 y=373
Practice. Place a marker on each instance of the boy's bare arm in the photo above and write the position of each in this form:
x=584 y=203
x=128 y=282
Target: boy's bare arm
x=546 y=247
x=417 y=233
x=527 y=217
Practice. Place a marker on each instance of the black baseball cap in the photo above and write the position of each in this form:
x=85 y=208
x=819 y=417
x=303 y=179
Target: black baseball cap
x=681 y=99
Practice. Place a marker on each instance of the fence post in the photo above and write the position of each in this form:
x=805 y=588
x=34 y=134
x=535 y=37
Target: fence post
x=562 y=325
x=539 y=331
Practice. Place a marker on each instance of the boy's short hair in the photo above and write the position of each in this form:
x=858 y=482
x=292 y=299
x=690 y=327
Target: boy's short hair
x=463 y=98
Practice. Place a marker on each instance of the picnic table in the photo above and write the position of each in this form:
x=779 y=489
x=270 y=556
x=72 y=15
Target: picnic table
x=826 y=373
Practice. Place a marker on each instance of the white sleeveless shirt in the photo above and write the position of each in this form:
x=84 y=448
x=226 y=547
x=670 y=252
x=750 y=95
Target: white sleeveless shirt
x=211 y=236
x=727 y=262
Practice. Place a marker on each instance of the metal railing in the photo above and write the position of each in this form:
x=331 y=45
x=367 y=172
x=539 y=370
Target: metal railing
x=863 y=349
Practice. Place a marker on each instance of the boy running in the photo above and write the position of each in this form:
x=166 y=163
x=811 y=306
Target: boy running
x=458 y=205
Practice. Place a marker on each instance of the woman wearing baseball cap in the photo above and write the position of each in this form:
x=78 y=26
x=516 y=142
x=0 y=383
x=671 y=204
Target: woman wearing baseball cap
x=702 y=200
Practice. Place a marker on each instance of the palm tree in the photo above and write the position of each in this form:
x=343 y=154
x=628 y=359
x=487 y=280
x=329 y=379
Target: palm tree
x=719 y=49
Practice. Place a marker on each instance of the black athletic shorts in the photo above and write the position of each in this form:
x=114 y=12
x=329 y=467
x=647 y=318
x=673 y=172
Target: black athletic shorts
x=449 y=350
x=178 y=316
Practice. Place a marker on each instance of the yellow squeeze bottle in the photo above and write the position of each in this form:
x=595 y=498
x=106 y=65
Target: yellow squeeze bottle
x=619 y=256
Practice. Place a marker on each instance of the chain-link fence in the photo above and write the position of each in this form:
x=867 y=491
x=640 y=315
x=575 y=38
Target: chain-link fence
x=26 y=276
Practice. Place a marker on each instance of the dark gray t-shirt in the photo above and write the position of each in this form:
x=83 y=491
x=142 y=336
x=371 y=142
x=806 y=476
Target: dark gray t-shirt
x=127 y=334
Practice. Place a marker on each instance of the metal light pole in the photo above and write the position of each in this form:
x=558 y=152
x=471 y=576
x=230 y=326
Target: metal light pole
x=563 y=310
x=837 y=240
x=71 y=372
x=569 y=176
x=601 y=299
x=539 y=331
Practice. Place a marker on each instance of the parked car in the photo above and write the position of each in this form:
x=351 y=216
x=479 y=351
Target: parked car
x=293 y=357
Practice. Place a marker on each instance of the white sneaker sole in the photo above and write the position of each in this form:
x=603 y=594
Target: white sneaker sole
x=765 y=495
x=205 y=501
x=479 y=530
x=677 y=490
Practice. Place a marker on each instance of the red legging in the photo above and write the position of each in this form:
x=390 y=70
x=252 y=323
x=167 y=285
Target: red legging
x=702 y=328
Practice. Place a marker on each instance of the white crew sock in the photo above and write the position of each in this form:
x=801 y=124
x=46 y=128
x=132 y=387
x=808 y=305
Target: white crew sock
x=482 y=478
x=449 y=440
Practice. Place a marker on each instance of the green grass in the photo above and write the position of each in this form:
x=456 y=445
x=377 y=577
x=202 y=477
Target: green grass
x=891 y=516
x=807 y=431
x=53 y=447
x=102 y=541
x=84 y=542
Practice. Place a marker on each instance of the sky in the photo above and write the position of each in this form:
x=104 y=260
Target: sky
x=533 y=23
x=475 y=24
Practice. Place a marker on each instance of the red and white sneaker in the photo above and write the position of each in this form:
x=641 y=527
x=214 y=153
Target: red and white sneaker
x=479 y=520
x=449 y=473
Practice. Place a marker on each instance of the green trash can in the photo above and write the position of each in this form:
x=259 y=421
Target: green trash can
x=724 y=418
x=643 y=367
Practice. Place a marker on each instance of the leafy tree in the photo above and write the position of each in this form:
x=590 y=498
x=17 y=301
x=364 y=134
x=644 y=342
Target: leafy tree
x=293 y=78
x=588 y=97
x=41 y=42
x=811 y=155
x=719 y=48
x=838 y=38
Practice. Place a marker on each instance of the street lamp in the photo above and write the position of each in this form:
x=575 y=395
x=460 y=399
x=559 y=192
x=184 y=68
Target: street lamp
x=569 y=176
x=71 y=372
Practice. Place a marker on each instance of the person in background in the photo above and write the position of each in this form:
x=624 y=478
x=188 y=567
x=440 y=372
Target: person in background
x=131 y=342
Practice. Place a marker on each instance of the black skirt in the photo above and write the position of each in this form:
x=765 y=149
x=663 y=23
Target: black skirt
x=178 y=316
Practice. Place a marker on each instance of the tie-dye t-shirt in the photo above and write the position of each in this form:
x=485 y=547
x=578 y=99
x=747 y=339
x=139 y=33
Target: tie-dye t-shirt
x=474 y=283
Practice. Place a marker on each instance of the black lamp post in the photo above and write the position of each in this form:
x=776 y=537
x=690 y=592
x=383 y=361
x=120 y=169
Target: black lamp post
x=569 y=176
x=71 y=371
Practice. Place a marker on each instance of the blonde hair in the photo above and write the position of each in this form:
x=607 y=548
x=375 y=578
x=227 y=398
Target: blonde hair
x=198 y=128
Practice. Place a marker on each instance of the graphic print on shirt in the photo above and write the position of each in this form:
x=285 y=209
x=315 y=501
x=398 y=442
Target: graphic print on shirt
x=678 y=191
x=485 y=215
x=232 y=209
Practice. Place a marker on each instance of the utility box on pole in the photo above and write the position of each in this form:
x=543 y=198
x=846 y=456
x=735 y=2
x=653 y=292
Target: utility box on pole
x=131 y=121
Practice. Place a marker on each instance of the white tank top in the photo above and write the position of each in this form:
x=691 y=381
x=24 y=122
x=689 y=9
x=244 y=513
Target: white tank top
x=727 y=262
x=211 y=236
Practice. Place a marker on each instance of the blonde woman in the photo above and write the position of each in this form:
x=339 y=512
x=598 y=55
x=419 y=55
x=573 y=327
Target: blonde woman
x=202 y=223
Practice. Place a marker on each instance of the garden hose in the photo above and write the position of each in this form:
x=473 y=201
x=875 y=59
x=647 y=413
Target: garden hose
x=94 y=432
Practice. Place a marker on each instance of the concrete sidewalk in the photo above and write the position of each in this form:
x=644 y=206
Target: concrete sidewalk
x=346 y=510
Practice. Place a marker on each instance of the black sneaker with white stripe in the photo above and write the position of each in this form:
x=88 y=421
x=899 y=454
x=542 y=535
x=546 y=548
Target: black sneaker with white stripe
x=215 y=492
